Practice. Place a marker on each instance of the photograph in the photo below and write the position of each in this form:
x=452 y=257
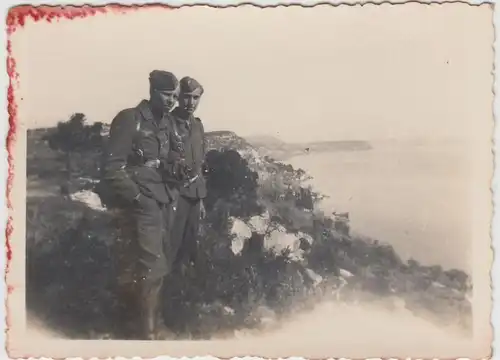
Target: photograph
x=250 y=181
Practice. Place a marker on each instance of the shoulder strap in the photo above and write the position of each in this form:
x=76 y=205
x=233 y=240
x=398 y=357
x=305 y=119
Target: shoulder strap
x=103 y=160
x=138 y=123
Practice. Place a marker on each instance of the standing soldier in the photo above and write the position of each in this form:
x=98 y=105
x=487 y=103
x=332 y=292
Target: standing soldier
x=136 y=160
x=189 y=129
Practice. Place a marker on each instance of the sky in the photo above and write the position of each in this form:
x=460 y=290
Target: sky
x=299 y=74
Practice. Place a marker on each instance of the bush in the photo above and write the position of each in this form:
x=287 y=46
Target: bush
x=74 y=138
x=231 y=181
x=71 y=281
x=69 y=270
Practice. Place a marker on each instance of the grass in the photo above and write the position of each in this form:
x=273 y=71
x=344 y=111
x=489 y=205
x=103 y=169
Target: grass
x=71 y=282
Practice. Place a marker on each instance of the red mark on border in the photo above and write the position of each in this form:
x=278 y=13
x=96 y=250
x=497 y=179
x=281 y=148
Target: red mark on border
x=18 y=17
x=11 y=137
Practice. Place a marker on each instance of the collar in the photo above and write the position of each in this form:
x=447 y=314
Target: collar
x=180 y=115
x=147 y=114
x=145 y=110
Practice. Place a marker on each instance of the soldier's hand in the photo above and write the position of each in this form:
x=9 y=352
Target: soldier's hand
x=186 y=171
x=139 y=200
x=179 y=170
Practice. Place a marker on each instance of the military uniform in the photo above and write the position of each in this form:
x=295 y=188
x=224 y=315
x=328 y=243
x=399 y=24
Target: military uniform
x=136 y=162
x=187 y=214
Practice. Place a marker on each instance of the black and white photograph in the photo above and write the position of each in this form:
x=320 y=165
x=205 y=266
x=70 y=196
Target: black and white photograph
x=247 y=181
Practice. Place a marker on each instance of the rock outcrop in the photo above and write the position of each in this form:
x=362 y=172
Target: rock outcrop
x=265 y=251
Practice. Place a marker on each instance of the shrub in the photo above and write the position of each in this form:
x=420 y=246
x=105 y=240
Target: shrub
x=231 y=181
x=74 y=138
x=71 y=280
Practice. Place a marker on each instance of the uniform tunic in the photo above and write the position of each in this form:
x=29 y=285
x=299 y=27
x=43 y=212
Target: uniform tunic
x=136 y=160
x=187 y=213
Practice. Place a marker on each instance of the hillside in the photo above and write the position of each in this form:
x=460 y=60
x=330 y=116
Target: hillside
x=266 y=254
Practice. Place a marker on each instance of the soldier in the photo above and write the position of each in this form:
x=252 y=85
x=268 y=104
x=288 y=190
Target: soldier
x=189 y=206
x=135 y=162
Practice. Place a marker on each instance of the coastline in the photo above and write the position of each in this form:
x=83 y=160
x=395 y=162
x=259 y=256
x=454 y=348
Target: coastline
x=421 y=208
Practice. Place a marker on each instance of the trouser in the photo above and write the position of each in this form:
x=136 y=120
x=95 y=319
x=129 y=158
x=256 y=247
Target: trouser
x=185 y=230
x=141 y=261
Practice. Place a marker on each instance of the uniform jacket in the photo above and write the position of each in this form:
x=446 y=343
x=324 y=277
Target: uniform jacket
x=192 y=133
x=136 y=142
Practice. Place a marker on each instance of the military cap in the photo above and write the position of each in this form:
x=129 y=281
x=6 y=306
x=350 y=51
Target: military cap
x=163 y=80
x=188 y=85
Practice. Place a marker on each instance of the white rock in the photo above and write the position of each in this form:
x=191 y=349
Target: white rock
x=316 y=278
x=239 y=228
x=438 y=284
x=279 y=239
x=260 y=223
x=297 y=255
x=240 y=232
x=90 y=198
x=307 y=237
x=237 y=245
x=345 y=274
x=228 y=310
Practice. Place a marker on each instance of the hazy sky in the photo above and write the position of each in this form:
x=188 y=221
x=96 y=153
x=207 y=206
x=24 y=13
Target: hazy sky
x=300 y=74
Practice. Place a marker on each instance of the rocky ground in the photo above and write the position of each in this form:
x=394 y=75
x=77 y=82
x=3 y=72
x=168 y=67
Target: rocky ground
x=266 y=252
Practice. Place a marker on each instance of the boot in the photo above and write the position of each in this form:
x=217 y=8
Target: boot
x=147 y=320
x=162 y=331
x=152 y=325
x=150 y=292
x=126 y=312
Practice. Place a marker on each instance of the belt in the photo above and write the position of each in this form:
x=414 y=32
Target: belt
x=154 y=163
x=191 y=180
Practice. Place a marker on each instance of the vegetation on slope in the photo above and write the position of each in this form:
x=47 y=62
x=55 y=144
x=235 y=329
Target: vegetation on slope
x=71 y=280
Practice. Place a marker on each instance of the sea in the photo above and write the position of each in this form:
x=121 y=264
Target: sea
x=414 y=196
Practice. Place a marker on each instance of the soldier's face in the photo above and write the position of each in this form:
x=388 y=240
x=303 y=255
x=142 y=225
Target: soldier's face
x=164 y=100
x=189 y=102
